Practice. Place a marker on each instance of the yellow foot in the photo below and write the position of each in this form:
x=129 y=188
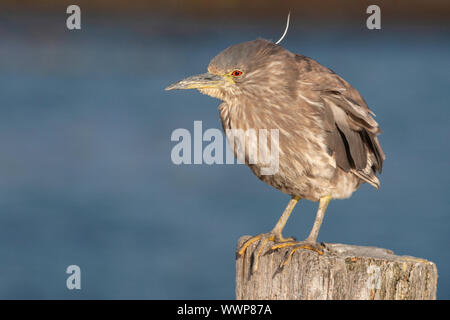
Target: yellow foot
x=296 y=245
x=263 y=238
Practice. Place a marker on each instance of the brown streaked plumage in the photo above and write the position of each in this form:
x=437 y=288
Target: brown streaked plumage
x=328 y=143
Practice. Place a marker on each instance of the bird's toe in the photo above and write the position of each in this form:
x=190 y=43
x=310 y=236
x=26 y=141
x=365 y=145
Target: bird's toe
x=307 y=245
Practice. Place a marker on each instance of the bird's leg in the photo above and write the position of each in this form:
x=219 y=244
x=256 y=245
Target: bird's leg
x=310 y=242
x=274 y=235
x=323 y=204
x=278 y=229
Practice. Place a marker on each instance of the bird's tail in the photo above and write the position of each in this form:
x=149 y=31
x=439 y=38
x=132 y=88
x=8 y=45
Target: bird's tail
x=370 y=177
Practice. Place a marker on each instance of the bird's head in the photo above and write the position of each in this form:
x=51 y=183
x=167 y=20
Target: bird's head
x=252 y=69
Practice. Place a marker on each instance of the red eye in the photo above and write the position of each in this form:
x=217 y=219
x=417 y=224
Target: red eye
x=236 y=73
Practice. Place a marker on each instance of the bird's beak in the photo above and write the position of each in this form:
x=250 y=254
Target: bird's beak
x=200 y=81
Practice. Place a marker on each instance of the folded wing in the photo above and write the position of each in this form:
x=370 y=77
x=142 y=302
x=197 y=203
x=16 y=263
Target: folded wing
x=352 y=131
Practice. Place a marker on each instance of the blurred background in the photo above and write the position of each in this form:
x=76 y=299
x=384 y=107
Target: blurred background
x=86 y=176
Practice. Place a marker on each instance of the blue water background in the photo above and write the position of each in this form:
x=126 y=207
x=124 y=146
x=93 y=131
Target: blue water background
x=86 y=176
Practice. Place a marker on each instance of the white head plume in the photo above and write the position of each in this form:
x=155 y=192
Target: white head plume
x=285 y=30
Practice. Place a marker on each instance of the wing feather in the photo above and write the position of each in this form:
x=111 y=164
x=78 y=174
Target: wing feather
x=348 y=120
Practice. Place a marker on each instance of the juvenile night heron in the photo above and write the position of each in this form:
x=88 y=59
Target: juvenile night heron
x=328 y=143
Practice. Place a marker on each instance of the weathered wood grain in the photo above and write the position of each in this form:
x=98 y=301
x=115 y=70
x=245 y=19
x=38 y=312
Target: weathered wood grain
x=342 y=272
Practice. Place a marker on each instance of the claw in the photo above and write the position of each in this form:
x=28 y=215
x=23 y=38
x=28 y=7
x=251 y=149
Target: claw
x=280 y=242
x=284 y=245
x=258 y=251
x=248 y=243
x=313 y=246
x=263 y=239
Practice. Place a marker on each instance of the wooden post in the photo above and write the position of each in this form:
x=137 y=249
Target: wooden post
x=342 y=272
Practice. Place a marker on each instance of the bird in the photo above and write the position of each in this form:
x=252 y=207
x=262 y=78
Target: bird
x=327 y=137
